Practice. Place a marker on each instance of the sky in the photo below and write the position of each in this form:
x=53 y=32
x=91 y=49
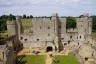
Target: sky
x=48 y=7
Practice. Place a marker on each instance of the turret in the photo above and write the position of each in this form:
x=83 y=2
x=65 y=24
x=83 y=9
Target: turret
x=14 y=27
x=84 y=24
x=11 y=28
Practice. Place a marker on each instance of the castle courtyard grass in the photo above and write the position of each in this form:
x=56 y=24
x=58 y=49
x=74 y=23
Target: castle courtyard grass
x=41 y=59
x=65 y=59
x=33 y=59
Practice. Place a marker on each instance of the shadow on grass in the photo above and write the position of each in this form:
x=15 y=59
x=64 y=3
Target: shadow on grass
x=22 y=62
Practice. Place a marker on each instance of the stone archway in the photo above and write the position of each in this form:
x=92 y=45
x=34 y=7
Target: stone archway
x=49 y=48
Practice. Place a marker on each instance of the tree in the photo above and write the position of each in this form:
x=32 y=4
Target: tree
x=81 y=16
x=28 y=17
x=3 y=20
x=93 y=23
x=71 y=22
x=24 y=16
x=11 y=17
x=31 y=16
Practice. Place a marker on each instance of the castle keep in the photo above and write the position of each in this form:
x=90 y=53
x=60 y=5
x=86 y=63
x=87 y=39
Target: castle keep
x=52 y=35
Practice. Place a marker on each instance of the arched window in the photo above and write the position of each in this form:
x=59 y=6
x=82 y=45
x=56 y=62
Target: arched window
x=70 y=36
x=65 y=43
x=25 y=39
x=48 y=27
x=69 y=42
x=80 y=37
x=62 y=38
x=37 y=39
x=78 y=43
x=21 y=38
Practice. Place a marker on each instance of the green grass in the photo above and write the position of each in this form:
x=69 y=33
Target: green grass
x=94 y=32
x=33 y=59
x=66 y=59
x=3 y=35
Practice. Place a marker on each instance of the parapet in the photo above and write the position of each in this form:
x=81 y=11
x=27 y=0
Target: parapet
x=83 y=19
x=63 y=19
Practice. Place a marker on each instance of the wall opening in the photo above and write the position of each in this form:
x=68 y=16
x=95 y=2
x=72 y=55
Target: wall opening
x=25 y=39
x=49 y=48
x=70 y=37
x=86 y=59
x=80 y=37
x=65 y=44
x=62 y=38
x=68 y=41
x=77 y=37
x=37 y=39
x=21 y=38
x=48 y=27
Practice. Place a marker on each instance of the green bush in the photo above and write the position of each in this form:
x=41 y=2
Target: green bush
x=71 y=22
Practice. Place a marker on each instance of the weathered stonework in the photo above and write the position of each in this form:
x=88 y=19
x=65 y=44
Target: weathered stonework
x=7 y=55
x=53 y=33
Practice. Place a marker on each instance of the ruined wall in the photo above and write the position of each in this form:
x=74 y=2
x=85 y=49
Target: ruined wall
x=7 y=55
x=11 y=28
x=54 y=30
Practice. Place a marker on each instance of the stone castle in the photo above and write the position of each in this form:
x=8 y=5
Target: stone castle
x=52 y=35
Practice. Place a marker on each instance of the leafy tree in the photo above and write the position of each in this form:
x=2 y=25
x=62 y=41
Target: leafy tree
x=71 y=22
x=31 y=16
x=3 y=20
x=28 y=17
x=94 y=23
x=81 y=16
x=24 y=16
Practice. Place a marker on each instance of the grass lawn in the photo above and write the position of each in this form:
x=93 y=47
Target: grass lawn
x=3 y=35
x=66 y=59
x=33 y=59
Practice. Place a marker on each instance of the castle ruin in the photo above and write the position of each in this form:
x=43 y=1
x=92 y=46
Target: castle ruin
x=52 y=35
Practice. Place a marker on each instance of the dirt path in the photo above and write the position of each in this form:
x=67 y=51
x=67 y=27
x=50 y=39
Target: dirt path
x=48 y=59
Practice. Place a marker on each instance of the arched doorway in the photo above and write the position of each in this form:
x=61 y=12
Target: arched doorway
x=49 y=48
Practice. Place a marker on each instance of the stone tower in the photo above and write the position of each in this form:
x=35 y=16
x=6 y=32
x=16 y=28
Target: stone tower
x=11 y=28
x=14 y=27
x=84 y=26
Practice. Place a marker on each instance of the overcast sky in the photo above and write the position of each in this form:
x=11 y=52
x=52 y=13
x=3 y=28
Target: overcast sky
x=47 y=7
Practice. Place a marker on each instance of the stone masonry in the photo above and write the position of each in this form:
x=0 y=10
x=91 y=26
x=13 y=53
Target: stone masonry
x=52 y=34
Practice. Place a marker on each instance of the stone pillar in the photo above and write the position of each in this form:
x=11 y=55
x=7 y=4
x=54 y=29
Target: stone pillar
x=19 y=26
x=90 y=25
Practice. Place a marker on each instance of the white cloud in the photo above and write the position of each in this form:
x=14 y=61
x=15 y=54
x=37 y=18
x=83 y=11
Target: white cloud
x=46 y=7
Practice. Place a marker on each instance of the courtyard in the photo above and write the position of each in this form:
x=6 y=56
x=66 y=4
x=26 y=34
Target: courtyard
x=32 y=59
x=45 y=58
x=65 y=59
